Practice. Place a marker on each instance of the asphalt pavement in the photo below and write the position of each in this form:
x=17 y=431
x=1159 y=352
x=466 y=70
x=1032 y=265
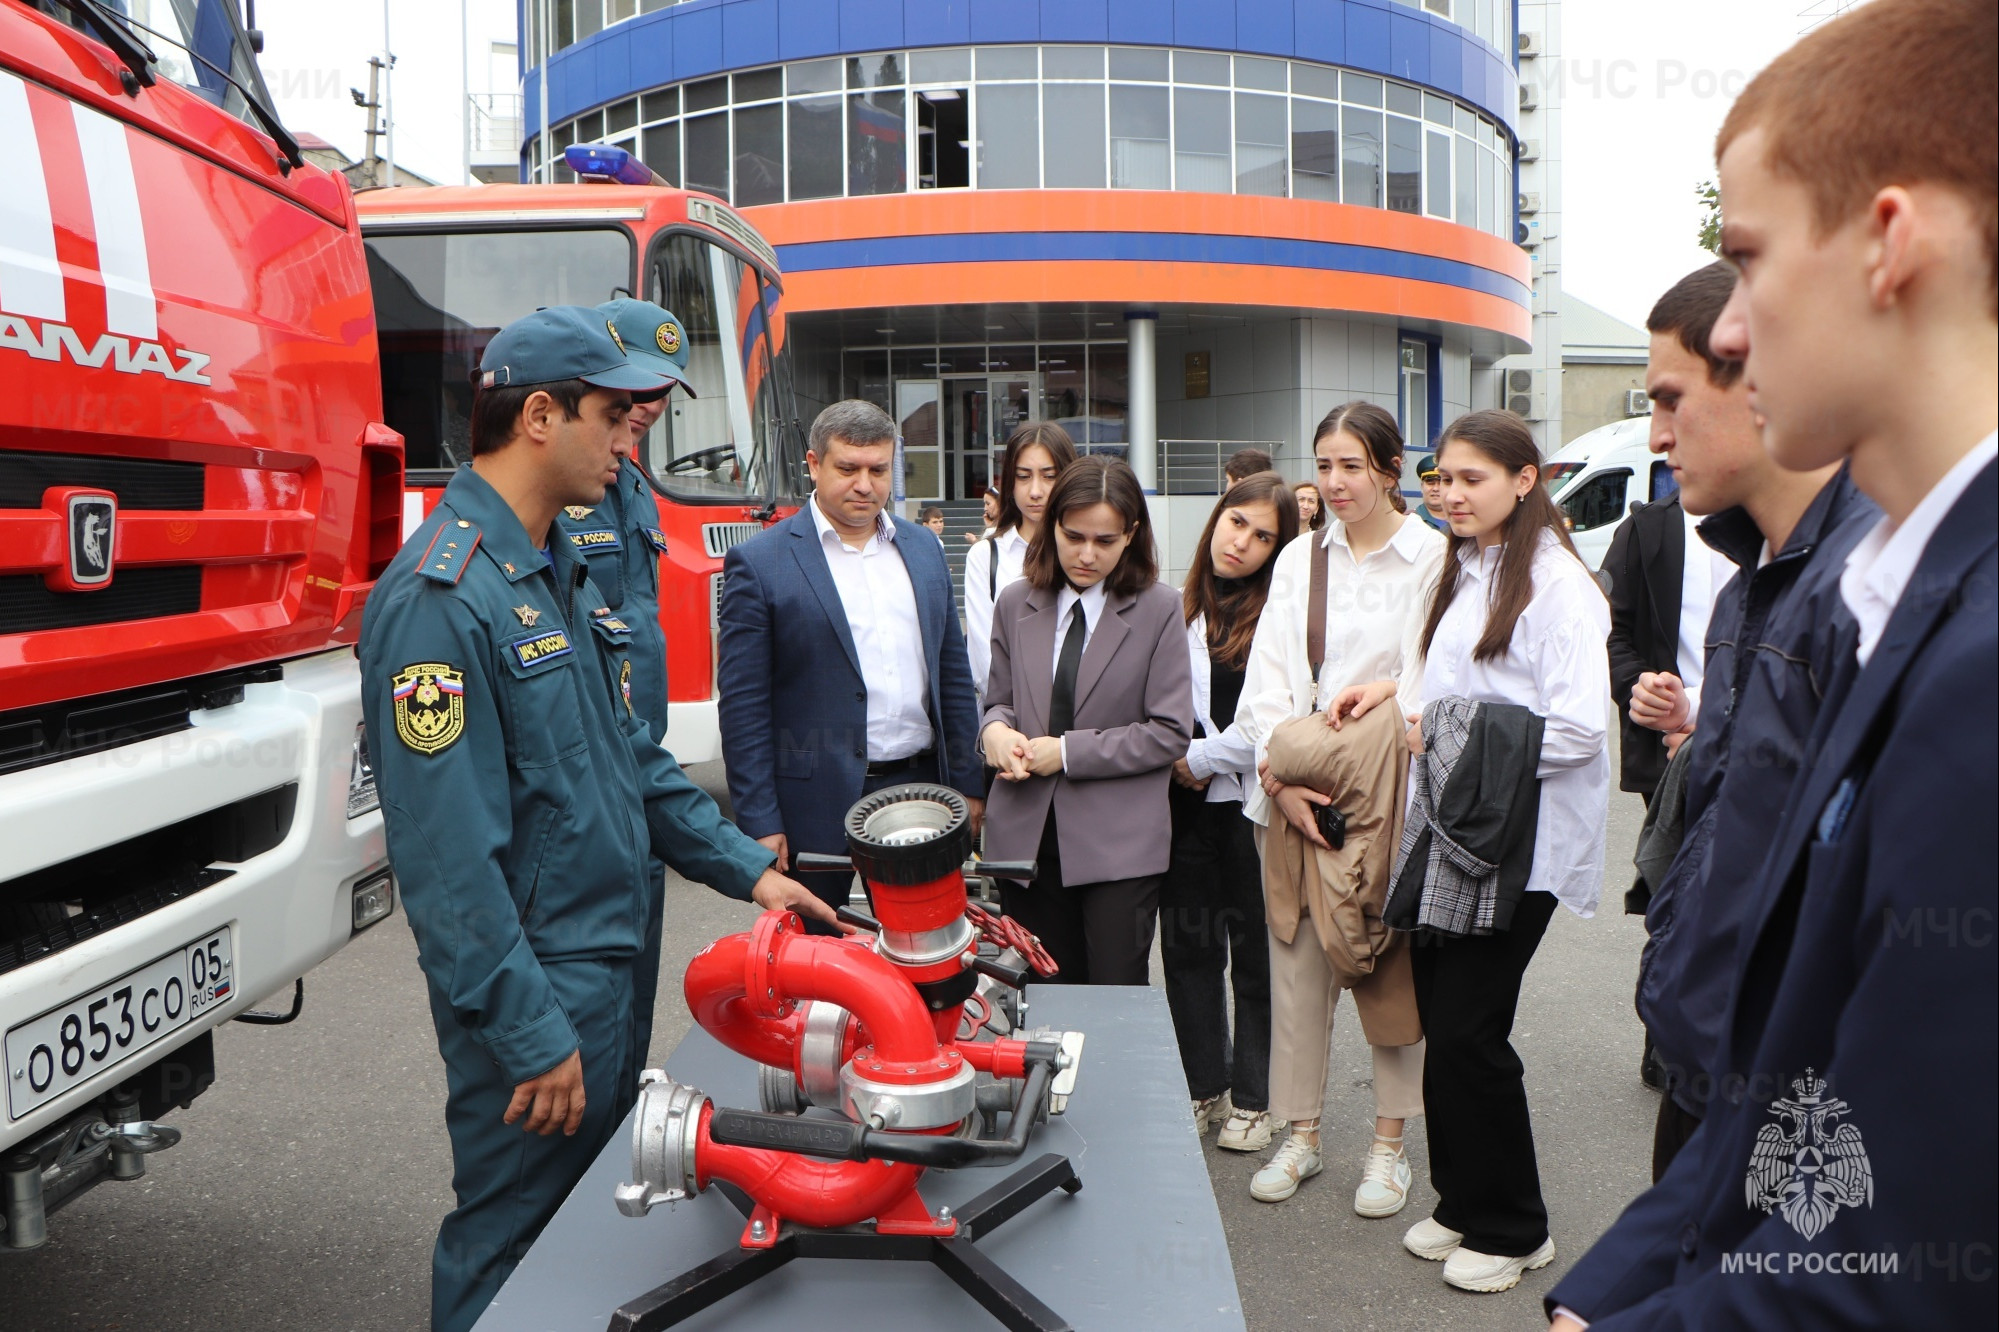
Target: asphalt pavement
x=307 y=1189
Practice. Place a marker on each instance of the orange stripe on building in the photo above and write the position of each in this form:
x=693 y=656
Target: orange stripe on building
x=1149 y=284
x=980 y=211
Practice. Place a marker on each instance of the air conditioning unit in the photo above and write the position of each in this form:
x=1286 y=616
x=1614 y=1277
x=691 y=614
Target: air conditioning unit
x=1528 y=44
x=1527 y=393
x=1530 y=150
x=1637 y=402
x=1530 y=96
x=1530 y=202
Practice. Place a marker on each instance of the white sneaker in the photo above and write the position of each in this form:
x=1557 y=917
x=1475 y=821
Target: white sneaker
x=1248 y=1131
x=1427 y=1239
x=1296 y=1161
x=1211 y=1112
x=1486 y=1272
x=1384 y=1182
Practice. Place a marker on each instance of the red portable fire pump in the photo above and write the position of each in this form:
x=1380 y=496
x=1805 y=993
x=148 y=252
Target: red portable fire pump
x=910 y=1040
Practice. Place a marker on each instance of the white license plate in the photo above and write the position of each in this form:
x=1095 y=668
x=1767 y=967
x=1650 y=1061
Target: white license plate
x=95 y=1031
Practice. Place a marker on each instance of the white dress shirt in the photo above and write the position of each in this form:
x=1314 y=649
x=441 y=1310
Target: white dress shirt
x=880 y=603
x=1704 y=572
x=981 y=592
x=1556 y=665
x=1880 y=567
x=1225 y=757
x=1374 y=631
x=1066 y=600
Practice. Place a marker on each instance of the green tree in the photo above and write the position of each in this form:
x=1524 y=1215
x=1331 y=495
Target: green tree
x=1709 y=196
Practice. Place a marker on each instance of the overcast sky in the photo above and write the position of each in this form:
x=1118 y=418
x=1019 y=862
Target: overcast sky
x=1645 y=84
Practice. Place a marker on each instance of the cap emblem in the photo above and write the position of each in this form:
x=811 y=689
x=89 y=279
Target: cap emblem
x=668 y=338
x=612 y=329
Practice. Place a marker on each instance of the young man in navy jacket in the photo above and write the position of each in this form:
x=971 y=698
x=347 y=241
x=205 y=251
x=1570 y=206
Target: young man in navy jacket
x=1844 y=1174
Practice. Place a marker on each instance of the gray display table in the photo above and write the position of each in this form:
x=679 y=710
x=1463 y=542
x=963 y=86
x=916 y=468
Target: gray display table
x=1141 y=1246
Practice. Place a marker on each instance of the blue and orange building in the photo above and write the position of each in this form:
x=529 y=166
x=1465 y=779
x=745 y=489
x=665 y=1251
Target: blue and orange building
x=1179 y=226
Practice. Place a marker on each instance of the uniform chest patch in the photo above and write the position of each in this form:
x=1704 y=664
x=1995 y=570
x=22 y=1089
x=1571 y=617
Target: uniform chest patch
x=600 y=538
x=657 y=538
x=542 y=647
x=625 y=685
x=429 y=700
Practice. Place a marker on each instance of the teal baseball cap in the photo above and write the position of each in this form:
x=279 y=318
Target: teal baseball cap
x=564 y=342
x=653 y=338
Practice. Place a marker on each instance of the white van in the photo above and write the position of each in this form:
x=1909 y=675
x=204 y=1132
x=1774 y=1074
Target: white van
x=1596 y=478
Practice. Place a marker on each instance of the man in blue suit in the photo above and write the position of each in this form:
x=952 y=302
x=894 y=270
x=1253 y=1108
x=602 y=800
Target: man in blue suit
x=1844 y=1174
x=843 y=669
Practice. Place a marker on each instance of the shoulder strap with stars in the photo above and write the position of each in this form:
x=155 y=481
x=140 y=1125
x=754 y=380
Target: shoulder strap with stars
x=444 y=560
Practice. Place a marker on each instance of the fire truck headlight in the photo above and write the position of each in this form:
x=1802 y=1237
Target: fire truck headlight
x=361 y=797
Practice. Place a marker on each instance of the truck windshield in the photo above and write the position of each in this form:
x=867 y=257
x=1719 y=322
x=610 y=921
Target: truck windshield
x=441 y=296
x=198 y=42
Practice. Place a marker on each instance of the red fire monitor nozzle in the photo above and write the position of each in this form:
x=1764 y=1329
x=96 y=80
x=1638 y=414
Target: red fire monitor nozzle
x=901 y=1035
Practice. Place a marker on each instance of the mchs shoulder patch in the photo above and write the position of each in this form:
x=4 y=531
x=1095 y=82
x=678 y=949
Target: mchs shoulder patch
x=429 y=699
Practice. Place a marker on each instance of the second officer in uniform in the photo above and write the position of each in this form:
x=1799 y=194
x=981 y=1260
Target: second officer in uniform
x=622 y=544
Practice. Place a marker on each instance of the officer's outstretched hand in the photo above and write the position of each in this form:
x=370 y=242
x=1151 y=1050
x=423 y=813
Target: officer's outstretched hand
x=774 y=892
x=553 y=1100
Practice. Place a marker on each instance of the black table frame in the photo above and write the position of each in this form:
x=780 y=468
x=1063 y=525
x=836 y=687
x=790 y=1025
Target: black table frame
x=957 y=1256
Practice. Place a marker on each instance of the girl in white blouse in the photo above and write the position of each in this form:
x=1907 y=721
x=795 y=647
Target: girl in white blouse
x=1034 y=455
x=1517 y=619
x=1381 y=566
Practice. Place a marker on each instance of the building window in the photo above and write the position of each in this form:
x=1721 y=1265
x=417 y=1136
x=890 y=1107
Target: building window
x=1201 y=141
x=1315 y=151
x=816 y=150
x=876 y=132
x=1360 y=158
x=1009 y=129
x=1415 y=400
x=1262 y=159
x=1141 y=137
x=1074 y=146
x=943 y=138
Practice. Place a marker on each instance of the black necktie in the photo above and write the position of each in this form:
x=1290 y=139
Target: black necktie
x=1062 y=696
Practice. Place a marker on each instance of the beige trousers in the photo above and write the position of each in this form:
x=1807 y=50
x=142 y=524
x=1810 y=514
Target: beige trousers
x=1303 y=995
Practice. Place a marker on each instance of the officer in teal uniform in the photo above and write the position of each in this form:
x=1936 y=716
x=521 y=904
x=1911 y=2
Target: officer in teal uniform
x=523 y=797
x=622 y=545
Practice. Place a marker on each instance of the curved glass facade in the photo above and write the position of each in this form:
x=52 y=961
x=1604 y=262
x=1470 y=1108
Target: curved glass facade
x=1063 y=117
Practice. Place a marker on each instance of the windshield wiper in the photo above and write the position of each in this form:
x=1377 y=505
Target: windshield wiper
x=132 y=52
x=122 y=41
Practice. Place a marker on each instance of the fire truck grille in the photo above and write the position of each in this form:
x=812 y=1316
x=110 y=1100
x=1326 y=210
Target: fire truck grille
x=57 y=908
x=33 y=736
x=137 y=482
x=28 y=604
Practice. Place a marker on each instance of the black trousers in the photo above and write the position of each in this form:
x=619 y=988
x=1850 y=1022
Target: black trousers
x=1098 y=933
x=1211 y=921
x=1676 y=1125
x=832 y=888
x=1475 y=1104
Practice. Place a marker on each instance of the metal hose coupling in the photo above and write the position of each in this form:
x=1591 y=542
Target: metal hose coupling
x=664 y=1134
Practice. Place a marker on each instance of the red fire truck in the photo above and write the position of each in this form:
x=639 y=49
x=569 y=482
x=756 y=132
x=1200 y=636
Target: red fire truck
x=451 y=265
x=196 y=493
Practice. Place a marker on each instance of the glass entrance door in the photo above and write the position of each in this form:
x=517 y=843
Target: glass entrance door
x=980 y=413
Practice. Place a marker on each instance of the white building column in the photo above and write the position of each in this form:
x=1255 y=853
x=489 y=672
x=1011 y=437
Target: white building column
x=1142 y=411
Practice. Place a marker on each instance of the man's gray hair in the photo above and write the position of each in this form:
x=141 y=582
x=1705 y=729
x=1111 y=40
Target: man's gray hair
x=855 y=421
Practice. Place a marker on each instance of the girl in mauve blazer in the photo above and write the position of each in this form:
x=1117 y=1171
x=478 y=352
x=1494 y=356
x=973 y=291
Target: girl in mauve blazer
x=1085 y=795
